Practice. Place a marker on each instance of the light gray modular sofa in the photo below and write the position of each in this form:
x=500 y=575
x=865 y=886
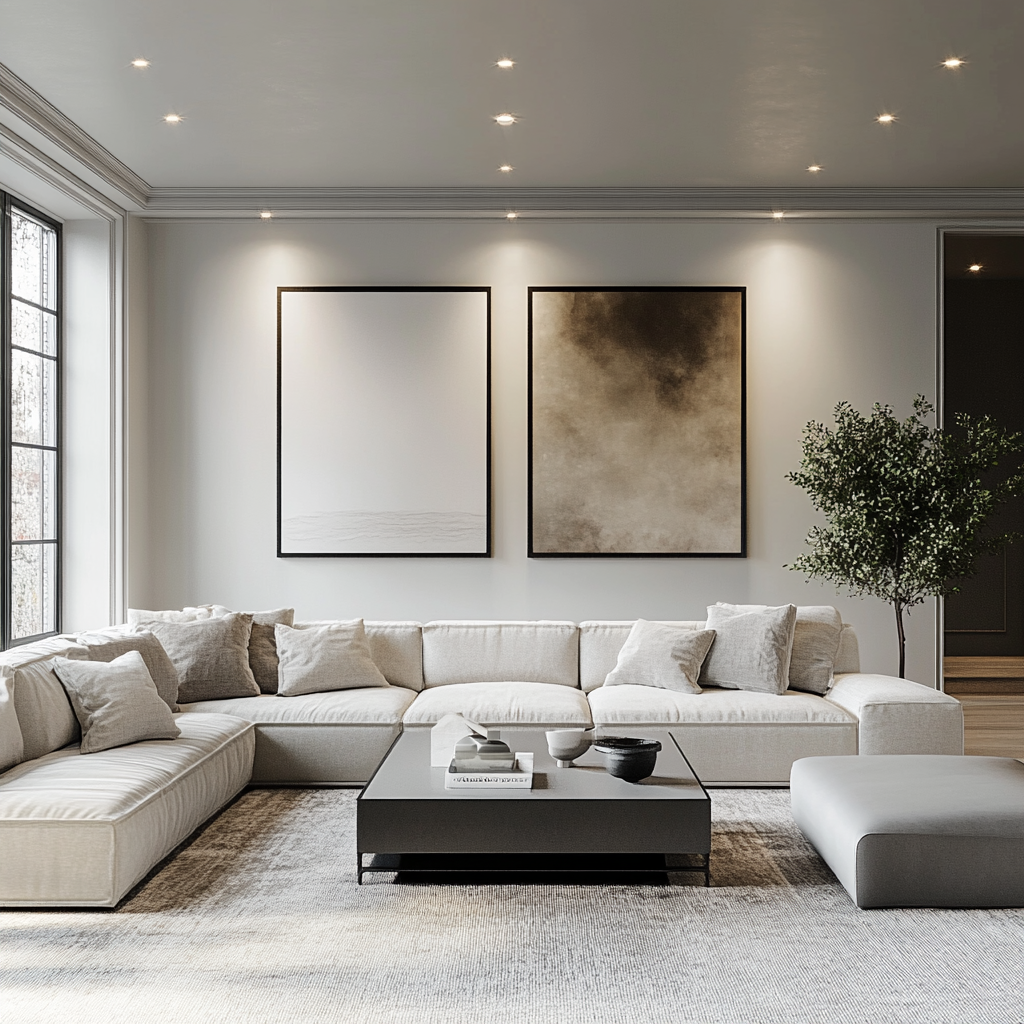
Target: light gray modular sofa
x=82 y=830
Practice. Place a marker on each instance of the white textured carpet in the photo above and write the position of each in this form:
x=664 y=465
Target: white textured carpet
x=260 y=920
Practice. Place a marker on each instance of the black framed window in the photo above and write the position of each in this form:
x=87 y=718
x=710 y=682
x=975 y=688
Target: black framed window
x=31 y=470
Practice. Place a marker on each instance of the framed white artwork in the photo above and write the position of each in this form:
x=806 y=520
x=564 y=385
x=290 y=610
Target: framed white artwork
x=383 y=420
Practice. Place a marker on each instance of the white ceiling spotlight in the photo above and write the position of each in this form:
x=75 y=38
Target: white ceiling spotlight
x=505 y=119
x=173 y=118
x=506 y=168
x=885 y=118
x=953 y=63
x=778 y=215
x=266 y=215
x=506 y=63
x=815 y=168
x=141 y=62
x=975 y=268
x=511 y=215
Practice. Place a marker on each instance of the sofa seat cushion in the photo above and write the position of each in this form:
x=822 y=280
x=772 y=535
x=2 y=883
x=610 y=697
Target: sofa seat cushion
x=81 y=830
x=645 y=705
x=541 y=704
x=383 y=705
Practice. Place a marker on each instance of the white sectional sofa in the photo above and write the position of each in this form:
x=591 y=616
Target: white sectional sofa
x=82 y=830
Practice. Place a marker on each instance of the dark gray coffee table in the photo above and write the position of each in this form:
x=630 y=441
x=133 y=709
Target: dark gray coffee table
x=577 y=819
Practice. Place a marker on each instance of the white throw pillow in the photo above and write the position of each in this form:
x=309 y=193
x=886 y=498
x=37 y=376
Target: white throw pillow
x=816 y=637
x=752 y=649
x=668 y=657
x=140 y=616
x=116 y=702
x=12 y=746
x=321 y=658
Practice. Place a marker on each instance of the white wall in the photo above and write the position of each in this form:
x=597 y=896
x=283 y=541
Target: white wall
x=842 y=310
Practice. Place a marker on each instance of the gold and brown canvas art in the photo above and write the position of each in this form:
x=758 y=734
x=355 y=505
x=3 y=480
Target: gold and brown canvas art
x=637 y=422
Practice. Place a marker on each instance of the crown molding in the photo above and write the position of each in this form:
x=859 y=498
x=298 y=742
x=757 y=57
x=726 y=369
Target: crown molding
x=656 y=202
x=35 y=110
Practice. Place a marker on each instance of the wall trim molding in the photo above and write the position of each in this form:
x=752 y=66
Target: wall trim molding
x=652 y=202
x=22 y=100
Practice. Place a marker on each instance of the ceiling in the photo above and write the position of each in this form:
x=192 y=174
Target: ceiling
x=610 y=93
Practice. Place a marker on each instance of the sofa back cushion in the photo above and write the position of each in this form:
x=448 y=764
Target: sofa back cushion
x=395 y=647
x=848 y=658
x=600 y=643
x=498 y=652
x=45 y=717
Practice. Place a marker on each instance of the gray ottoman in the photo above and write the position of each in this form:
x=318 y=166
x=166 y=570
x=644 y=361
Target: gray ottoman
x=916 y=830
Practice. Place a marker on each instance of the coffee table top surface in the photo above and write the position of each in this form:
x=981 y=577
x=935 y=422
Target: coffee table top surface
x=406 y=773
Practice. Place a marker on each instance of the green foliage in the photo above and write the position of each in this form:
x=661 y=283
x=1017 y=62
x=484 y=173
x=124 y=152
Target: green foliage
x=906 y=505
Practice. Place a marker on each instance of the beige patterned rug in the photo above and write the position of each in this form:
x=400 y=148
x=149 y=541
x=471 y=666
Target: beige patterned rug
x=259 y=920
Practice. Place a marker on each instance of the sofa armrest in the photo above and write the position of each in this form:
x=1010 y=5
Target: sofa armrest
x=897 y=716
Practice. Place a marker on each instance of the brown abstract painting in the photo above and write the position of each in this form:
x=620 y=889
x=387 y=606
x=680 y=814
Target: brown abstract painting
x=637 y=422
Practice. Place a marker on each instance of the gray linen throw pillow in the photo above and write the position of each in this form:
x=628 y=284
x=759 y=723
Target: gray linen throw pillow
x=752 y=650
x=115 y=702
x=211 y=656
x=320 y=658
x=263 y=646
x=656 y=654
x=816 y=637
x=108 y=646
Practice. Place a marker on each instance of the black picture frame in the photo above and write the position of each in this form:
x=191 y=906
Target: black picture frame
x=647 y=349
x=409 y=524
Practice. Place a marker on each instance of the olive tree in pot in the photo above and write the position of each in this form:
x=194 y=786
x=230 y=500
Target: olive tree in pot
x=907 y=506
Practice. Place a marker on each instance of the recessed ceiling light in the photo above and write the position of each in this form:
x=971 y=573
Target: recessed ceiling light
x=814 y=168
x=173 y=118
x=506 y=168
x=505 y=119
x=140 y=62
x=885 y=118
x=778 y=214
x=511 y=215
x=954 y=62
x=266 y=215
x=506 y=63
x=975 y=268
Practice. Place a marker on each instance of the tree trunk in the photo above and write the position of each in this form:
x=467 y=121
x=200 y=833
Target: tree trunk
x=902 y=636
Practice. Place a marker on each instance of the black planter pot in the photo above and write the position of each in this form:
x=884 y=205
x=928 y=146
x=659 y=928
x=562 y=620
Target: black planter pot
x=627 y=757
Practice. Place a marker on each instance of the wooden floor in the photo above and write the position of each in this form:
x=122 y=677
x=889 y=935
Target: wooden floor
x=994 y=724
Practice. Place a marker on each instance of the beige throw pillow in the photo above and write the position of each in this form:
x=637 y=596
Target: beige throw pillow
x=656 y=654
x=320 y=658
x=12 y=746
x=752 y=649
x=106 y=647
x=115 y=703
x=211 y=657
x=816 y=638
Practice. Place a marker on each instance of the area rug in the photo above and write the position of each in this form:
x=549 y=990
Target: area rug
x=258 y=919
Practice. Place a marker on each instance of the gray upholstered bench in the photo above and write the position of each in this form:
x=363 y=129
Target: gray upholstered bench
x=916 y=830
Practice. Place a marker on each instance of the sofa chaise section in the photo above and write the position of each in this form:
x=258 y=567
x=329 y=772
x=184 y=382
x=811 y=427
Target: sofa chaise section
x=80 y=830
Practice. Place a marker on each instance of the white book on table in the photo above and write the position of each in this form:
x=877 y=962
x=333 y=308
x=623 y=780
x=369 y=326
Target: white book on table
x=519 y=777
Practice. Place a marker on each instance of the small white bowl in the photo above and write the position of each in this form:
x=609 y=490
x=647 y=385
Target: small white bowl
x=566 y=744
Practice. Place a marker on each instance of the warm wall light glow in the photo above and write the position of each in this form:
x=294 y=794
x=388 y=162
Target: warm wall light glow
x=265 y=215
x=140 y=62
x=505 y=119
x=954 y=62
x=814 y=168
x=506 y=64
x=173 y=118
x=511 y=215
x=506 y=168
x=885 y=118
x=778 y=214
x=975 y=268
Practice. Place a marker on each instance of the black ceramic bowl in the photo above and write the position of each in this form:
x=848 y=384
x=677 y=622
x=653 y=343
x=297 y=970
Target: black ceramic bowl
x=627 y=757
